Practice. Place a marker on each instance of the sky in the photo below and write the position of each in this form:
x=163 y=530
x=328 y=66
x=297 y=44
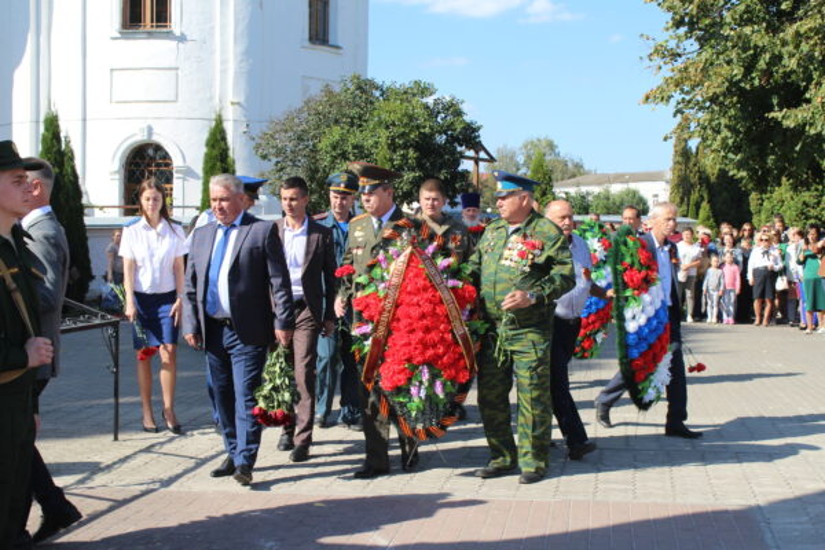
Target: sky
x=574 y=72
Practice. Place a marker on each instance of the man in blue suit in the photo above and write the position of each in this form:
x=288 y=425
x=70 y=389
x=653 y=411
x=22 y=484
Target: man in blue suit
x=238 y=302
x=663 y=222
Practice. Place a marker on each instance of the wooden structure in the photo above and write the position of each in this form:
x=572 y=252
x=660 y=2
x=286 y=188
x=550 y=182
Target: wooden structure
x=478 y=154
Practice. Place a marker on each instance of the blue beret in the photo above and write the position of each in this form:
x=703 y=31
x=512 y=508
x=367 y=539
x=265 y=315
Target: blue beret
x=470 y=200
x=252 y=185
x=343 y=182
x=507 y=183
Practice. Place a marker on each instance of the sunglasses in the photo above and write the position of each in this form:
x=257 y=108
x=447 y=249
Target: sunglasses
x=763 y=240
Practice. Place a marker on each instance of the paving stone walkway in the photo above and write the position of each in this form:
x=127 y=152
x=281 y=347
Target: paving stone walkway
x=755 y=481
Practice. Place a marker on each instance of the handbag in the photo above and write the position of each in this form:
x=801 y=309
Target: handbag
x=17 y=298
x=782 y=282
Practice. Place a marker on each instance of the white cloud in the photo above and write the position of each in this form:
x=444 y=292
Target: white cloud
x=615 y=38
x=446 y=62
x=535 y=11
x=545 y=11
x=465 y=8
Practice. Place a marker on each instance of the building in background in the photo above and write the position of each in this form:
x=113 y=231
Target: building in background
x=653 y=186
x=137 y=83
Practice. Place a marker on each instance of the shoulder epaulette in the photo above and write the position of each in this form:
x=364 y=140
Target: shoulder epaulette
x=321 y=216
x=359 y=217
x=133 y=221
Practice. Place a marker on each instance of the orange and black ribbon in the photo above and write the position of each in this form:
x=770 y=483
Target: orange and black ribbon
x=382 y=326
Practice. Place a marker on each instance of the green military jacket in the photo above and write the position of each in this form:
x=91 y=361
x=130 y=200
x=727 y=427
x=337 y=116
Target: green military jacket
x=534 y=258
x=454 y=233
x=360 y=245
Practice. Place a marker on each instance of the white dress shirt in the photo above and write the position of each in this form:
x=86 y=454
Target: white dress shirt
x=224 y=311
x=28 y=218
x=384 y=219
x=570 y=305
x=295 y=247
x=665 y=272
x=154 y=251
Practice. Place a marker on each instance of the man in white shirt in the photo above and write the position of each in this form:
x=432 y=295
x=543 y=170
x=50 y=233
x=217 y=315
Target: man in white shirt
x=566 y=330
x=690 y=256
x=309 y=250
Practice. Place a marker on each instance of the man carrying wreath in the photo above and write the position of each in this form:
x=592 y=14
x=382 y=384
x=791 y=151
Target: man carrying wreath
x=524 y=264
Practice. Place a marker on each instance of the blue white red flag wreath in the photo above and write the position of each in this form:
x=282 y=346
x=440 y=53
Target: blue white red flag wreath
x=597 y=311
x=641 y=315
x=418 y=328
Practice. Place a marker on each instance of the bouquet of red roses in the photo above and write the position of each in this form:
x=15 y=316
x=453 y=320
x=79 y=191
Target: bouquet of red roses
x=417 y=327
x=275 y=397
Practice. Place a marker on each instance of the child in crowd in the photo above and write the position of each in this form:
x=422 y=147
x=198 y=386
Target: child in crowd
x=713 y=288
x=731 y=276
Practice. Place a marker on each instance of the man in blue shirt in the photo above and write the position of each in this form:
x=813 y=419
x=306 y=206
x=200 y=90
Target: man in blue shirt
x=335 y=357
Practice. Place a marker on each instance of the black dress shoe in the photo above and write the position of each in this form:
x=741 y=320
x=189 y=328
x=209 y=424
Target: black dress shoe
x=492 y=471
x=603 y=415
x=321 y=422
x=368 y=472
x=356 y=426
x=530 y=477
x=299 y=454
x=227 y=468
x=243 y=475
x=681 y=431
x=577 y=452
x=285 y=443
x=52 y=523
x=460 y=412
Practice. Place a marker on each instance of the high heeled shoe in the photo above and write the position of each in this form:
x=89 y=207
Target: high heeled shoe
x=151 y=429
x=175 y=428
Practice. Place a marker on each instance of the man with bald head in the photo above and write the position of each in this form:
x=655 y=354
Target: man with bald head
x=566 y=330
x=662 y=221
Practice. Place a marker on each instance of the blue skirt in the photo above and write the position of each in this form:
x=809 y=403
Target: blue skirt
x=153 y=315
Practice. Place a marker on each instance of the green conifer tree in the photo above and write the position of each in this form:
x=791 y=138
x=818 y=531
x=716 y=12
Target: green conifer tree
x=217 y=158
x=51 y=149
x=80 y=266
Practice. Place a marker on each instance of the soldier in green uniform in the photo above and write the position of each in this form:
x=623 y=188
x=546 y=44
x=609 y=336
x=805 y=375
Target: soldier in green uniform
x=432 y=198
x=375 y=185
x=21 y=351
x=524 y=264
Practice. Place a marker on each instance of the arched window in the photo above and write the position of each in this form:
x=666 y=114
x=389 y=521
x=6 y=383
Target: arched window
x=144 y=162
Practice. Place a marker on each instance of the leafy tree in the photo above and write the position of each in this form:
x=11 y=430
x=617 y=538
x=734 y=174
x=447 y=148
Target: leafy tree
x=579 y=200
x=519 y=161
x=629 y=196
x=67 y=204
x=541 y=173
x=408 y=128
x=507 y=159
x=680 y=176
x=217 y=158
x=746 y=79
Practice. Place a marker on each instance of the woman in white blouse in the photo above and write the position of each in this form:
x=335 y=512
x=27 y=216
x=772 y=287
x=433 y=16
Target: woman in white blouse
x=763 y=266
x=152 y=248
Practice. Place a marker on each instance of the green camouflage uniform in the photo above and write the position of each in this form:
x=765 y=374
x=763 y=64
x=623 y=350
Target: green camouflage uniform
x=454 y=233
x=519 y=343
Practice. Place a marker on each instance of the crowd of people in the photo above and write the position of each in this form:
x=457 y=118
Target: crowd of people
x=238 y=286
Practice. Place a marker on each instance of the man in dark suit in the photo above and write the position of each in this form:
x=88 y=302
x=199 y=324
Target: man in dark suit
x=310 y=258
x=375 y=184
x=22 y=348
x=236 y=277
x=49 y=245
x=662 y=220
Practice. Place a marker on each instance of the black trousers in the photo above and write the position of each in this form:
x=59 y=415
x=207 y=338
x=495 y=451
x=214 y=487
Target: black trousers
x=676 y=390
x=564 y=408
x=377 y=431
